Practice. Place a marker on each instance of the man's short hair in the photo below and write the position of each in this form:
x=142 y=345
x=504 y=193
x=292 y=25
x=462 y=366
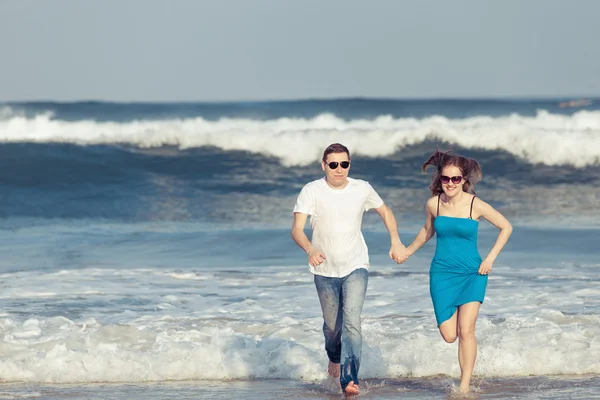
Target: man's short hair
x=335 y=148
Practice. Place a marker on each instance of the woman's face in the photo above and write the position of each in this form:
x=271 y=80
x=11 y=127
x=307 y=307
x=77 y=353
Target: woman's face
x=452 y=180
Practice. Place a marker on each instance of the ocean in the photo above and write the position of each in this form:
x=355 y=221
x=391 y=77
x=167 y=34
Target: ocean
x=146 y=249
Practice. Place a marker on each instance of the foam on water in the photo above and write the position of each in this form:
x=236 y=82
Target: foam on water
x=546 y=138
x=151 y=324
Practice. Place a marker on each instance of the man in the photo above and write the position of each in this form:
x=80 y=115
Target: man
x=338 y=256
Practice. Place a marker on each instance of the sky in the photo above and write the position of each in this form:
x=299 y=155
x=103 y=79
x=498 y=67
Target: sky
x=234 y=50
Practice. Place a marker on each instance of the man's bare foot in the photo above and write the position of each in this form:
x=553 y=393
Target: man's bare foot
x=351 y=389
x=333 y=369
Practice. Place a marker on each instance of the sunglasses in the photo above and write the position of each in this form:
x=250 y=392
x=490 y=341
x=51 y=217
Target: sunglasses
x=334 y=164
x=455 y=179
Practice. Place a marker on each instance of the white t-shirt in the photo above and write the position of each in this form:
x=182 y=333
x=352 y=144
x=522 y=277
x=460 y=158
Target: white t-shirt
x=336 y=219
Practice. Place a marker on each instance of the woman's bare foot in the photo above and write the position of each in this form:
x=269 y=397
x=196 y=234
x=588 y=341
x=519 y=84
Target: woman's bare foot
x=334 y=369
x=351 y=389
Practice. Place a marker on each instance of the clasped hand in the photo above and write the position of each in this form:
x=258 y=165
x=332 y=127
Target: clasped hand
x=399 y=253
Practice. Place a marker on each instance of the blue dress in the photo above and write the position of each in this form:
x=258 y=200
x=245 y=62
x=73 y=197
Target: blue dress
x=453 y=277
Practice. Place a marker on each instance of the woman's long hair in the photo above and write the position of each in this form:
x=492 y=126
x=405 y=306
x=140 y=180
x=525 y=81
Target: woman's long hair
x=470 y=168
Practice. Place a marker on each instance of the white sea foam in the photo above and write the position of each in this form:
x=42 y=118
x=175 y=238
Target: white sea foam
x=154 y=324
x=546 y=138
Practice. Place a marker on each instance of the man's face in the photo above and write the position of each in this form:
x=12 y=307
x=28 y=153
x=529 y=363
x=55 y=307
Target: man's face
x=336 y=176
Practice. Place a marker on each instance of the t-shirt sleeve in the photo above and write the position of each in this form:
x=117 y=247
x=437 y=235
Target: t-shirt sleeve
x=304 y=203
x=373 y=200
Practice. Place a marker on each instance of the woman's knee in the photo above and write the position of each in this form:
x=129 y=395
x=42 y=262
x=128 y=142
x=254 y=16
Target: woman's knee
x=466 y=332
x=448 y=336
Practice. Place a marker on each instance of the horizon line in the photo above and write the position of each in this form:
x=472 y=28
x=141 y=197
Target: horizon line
x=311 y=99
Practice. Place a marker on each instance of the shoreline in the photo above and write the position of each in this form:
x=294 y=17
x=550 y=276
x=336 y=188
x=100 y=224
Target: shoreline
x=435 y=387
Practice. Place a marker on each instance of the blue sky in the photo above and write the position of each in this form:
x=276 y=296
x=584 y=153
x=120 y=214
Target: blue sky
x=196 y=50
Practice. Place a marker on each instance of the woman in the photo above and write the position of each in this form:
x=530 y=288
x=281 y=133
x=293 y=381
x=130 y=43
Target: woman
x=458 y=277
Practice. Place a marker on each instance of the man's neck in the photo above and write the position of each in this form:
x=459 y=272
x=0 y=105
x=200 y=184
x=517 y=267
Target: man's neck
x=340 y=187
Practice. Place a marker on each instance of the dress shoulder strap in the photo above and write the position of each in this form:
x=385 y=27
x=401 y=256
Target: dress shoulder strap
x=471 y=212
x=438 y=209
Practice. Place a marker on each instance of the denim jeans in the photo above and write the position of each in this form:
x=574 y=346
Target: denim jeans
x=342 y=301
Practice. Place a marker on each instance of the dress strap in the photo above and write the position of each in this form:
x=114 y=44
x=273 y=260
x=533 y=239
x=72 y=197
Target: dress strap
x=438 y=210
x=471 y=212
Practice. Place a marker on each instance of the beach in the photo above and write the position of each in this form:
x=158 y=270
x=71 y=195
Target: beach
x=159 y=263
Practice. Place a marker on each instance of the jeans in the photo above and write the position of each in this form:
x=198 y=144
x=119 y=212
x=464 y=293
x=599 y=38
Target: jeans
x=342 y=300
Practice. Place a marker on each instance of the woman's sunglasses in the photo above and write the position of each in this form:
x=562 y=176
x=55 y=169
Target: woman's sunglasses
x=334 y=164
x=455 y=179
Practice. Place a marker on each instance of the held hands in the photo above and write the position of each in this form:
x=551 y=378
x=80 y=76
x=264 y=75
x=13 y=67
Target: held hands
x=486 y=267
x=315 y=256
x=399 y=253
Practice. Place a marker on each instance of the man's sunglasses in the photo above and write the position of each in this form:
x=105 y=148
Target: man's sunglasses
x=455 y=179
x=334 y=164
